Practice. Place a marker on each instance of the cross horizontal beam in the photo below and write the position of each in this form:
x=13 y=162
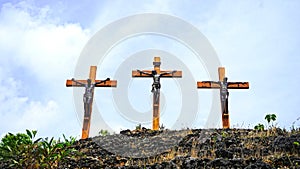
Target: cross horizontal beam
x=177 y=74
x=109 y=83
x=216 y=85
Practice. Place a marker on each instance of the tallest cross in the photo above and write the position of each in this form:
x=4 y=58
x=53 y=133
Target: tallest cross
x=156 y=74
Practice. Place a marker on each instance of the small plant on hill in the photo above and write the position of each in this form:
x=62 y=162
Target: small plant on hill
x=259 y=127
x=138 y=127
x=103 y=132
x=270 y=118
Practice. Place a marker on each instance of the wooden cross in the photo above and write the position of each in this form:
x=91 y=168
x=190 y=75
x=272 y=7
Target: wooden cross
x=223 y=85
x=89 y=85
x=156 y=74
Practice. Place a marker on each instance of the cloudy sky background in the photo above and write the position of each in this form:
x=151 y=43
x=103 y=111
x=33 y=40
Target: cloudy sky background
x=41 y=41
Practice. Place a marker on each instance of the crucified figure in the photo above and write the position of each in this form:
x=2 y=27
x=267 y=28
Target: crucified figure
x=156 y=81
x=224 y=95
x=88 y=95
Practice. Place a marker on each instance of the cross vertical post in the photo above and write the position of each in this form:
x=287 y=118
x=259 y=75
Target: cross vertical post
x=88 y=96
x=156 y=97
x=156 y=74
x=224 y=97
x=223 y=85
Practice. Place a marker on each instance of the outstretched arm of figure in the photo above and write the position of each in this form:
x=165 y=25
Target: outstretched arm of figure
x=162 y=74
x=103 y=81
x=146 y=73
x=78 y=82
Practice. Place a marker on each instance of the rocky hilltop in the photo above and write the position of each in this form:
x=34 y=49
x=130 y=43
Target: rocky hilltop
x=197 y=148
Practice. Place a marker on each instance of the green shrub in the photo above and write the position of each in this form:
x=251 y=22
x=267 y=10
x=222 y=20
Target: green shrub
x=24 y=151
x=259 y=127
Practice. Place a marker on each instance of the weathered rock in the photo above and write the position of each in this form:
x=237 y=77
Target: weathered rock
x=221 y=153
x=259 y=164
x=218 y=162
x=287 y=144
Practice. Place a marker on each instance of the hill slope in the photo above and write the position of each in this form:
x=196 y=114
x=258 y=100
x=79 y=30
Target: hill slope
x=199 y=148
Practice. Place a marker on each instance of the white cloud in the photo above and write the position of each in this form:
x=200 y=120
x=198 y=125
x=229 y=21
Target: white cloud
x=38 y=55
x=38 y=115
x=39 y=45
x=9 y=99
x=19 y=113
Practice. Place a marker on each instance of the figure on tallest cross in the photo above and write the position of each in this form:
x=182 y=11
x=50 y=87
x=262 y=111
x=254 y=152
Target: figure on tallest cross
x=156 y=81
x=156 y=74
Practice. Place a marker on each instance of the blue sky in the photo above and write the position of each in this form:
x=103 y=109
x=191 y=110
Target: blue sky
x=41 y=41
